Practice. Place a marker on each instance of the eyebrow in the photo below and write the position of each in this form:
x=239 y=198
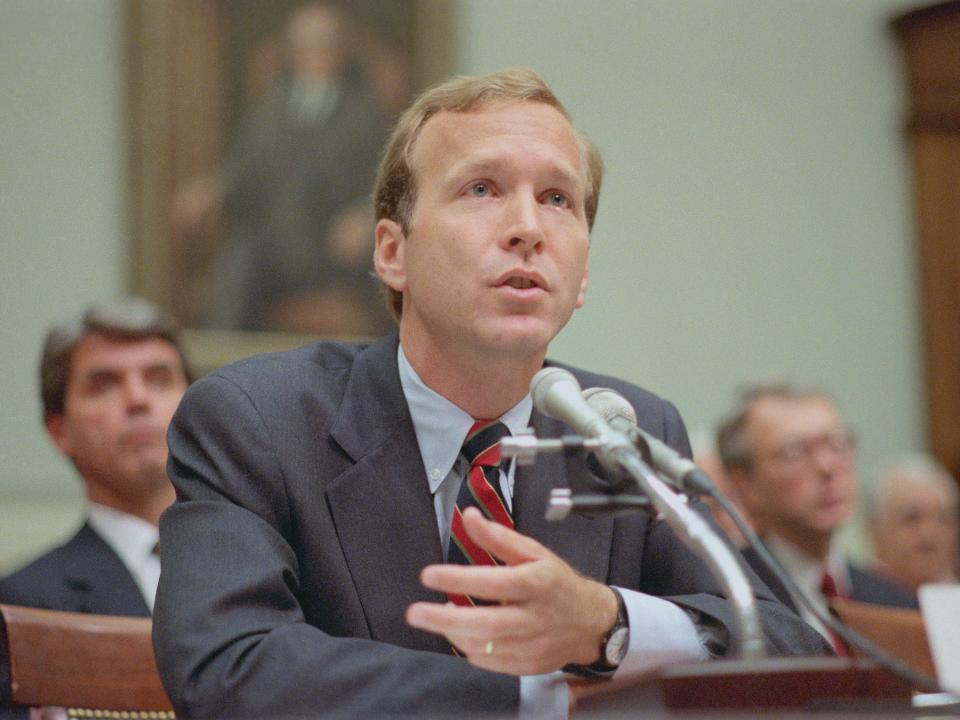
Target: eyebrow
x=480 y=165
x=99 y=371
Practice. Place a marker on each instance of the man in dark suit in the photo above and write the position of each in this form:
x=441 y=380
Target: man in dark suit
x=791 y=458
x=110 y=382
x=318 y=490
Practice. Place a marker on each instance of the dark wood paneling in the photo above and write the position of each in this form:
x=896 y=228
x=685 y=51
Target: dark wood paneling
x=930 y=39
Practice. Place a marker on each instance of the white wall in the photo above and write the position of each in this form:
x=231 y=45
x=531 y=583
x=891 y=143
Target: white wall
x=755 y=220
x=61 y=230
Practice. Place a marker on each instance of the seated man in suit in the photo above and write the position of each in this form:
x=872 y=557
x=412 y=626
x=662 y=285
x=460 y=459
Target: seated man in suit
x=912 y=518
x=791 y=457
x=319 y=490
x=110 y=382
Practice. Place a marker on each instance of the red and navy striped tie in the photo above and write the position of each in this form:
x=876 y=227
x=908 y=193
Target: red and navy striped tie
x=480 y=489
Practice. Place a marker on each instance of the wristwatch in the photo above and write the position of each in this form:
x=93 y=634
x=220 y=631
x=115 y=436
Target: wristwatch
x=613 y=647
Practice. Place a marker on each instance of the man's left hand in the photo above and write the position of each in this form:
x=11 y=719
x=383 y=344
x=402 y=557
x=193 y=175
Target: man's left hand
x=547 y=614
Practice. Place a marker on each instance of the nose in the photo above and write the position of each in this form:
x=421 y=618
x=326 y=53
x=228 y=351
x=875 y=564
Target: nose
x=136 y=394
x=524 y=231
x=826 y=459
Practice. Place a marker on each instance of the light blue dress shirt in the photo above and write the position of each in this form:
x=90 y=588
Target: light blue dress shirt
x=660 y=632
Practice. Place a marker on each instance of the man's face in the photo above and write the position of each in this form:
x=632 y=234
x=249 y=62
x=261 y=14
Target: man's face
x=801 y=484
x=496 y=256
x=121 y=395
x=915 y=533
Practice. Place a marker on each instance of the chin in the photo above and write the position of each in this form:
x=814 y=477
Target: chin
x=148 y=466
x=522 y=344
x=523 y=334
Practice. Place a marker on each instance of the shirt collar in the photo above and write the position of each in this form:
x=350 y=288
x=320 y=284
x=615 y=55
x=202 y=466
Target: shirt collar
x=441 y=426
x=808 y=571
x=131 y=537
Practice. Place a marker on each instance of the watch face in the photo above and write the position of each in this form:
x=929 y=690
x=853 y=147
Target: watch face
x=617 y=646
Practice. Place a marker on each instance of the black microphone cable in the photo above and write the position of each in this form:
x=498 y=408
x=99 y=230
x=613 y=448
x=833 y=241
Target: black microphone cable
x=849 y=636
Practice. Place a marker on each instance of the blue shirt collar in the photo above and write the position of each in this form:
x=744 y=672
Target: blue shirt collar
x=441 y=426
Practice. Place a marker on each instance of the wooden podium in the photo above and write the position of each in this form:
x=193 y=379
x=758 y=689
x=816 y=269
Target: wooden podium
x=727 y=686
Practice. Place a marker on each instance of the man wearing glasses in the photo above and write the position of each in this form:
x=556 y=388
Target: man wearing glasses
x=791 y=456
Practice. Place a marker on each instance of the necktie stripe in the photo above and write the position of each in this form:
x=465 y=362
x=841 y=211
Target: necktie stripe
x=488 y=499
x=489 y=456
x=480 y=489
x=474 y=554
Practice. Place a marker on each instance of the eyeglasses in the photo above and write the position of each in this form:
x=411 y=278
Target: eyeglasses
x=840 y=444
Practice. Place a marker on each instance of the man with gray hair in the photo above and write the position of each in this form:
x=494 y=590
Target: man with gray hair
x=110 y=382
x=913 y=523
x=790 y=455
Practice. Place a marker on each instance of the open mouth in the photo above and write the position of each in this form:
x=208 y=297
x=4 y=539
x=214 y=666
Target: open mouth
x=521 y=283
x=518 y=279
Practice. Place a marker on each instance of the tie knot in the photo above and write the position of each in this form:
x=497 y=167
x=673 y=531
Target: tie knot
x=482 y=444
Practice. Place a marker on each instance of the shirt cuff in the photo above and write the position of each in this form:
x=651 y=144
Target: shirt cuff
x=544 y=696
x=660 y=633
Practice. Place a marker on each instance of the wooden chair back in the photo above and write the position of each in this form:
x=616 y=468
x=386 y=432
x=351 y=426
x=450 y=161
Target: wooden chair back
x=81 y=661
x=898 y=631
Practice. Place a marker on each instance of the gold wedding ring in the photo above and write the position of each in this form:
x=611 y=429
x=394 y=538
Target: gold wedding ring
x=488 y=648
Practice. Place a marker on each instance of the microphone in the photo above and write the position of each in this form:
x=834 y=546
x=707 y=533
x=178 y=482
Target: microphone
x=617 y=411
x=556 y=393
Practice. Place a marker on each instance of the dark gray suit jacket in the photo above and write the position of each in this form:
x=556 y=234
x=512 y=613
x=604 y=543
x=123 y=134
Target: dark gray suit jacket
x=302 y=522
x=864 y=586
x=84 y=575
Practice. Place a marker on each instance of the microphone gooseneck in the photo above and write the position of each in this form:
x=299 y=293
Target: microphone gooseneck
x=556 y=393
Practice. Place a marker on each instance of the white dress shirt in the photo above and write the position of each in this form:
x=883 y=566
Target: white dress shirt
x=133 y=539
x=660 y=632
x=807 y=572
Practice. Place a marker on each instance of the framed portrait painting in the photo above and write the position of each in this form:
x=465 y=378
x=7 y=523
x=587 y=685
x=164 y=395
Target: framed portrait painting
x=255 y=132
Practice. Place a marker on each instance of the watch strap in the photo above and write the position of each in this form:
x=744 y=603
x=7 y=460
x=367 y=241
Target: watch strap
x=601 y=668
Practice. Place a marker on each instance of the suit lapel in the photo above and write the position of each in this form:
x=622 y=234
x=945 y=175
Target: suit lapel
x=381 y=506
x=96 y=579
x=384 y=513
x=582 y=541
x=776 y=587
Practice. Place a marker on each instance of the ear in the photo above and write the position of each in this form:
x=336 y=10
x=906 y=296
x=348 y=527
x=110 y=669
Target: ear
x=388 y=254
x=583 y=288
x=57 y=430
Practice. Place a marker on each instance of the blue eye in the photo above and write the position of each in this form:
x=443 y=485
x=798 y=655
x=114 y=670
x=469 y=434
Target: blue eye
x=479 y=189
x=558 y=199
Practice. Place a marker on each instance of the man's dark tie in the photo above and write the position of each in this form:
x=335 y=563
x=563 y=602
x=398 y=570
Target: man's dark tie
x=480 y=489
x=828 y=586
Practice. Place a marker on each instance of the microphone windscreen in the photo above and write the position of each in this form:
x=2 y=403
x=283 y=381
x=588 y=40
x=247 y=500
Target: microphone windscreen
x=610 y=404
